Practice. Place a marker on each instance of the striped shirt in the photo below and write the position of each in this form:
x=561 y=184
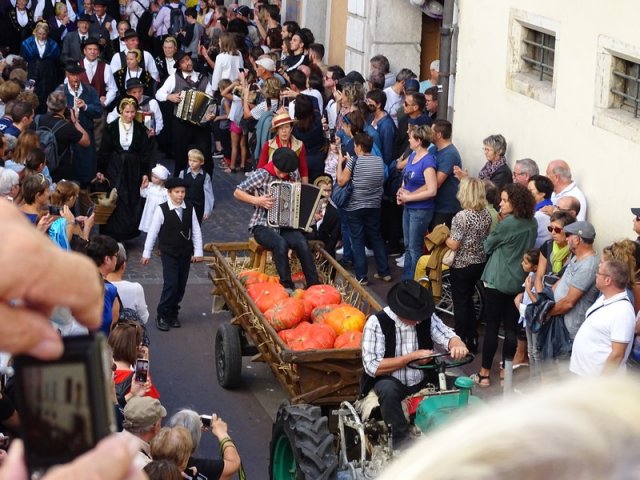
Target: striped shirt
x=373 y=345
x=368 y=182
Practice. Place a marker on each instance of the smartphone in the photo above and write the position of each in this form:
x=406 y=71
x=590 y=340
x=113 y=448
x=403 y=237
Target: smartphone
x=343 y=150
x=206 y=420
x=332 y=135
x=90 y=212
x=241 y=70
x=54 y=210
x=65 y=405
x=142 y=370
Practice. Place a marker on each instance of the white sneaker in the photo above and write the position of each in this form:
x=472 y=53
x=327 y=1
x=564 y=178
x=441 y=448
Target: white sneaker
x=400 y=259
x=400 y=263
x=340 y=251
x=368 y=252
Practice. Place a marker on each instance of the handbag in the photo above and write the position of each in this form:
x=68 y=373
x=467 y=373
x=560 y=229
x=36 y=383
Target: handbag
x=341 y=195
x=448 y=258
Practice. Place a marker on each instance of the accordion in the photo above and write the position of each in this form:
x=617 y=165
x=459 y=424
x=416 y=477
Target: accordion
x=195 y=106
x=295 y=205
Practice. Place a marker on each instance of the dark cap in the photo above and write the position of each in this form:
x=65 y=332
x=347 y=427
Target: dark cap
x=285 y=160
x=91 y=41
x=100 y=2
x=174 y=182
x=143 y=412
x=636 y=211
x=73 y=67
x=411 y=85
x=134 y=83
x=411 y=301
x=243 y=10
x=180 y=54
x=83 y=17
x=130 y=33
x=582 y=229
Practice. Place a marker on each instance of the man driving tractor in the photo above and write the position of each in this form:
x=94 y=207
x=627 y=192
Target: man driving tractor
x=402 y=333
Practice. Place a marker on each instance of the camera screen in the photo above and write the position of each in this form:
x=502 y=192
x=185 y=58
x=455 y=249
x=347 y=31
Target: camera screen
x=58 y=412
x=142 y=370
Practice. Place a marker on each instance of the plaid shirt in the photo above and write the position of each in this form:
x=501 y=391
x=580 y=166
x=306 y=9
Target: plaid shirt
x=373 y=345
x=257 y=183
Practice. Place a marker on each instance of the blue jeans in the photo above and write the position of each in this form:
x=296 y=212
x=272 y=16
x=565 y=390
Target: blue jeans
x=415 y=223
x=279 y=243
x=365 y=228
x=347 y=253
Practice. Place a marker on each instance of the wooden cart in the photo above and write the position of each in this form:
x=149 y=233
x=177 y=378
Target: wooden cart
x=316 y=377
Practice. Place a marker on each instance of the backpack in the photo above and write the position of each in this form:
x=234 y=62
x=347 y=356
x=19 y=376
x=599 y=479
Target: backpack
x=263 y=133
x=176 y=20
x=49 y=143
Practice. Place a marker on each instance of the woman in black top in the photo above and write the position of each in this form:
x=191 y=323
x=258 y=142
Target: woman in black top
x=17 y=25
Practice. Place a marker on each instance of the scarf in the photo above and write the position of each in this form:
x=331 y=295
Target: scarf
x=490 y=168
x=269 y=167
x=558 y=256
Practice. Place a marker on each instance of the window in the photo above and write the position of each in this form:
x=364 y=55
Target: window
x=625 y=88
x=538 y=55
x=531 y=64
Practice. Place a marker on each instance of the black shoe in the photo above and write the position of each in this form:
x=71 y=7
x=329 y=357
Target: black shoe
x=162 y=324
x=175 y=323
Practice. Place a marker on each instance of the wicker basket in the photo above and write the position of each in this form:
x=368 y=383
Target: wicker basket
x=102 y=212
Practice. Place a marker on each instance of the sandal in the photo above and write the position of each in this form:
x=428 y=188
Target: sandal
x=483 y=381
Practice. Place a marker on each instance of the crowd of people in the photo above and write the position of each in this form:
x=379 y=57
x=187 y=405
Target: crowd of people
x=92 y=101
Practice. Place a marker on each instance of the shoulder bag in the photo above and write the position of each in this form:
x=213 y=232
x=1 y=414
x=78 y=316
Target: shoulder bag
x=342 y=195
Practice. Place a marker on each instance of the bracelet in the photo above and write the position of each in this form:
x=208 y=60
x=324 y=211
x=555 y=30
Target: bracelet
x=226 y=441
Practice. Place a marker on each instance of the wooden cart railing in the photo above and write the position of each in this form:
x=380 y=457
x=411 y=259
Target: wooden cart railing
x=319 y=377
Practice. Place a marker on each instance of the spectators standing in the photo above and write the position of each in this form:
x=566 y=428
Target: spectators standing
x=541 y=188
x=447 y=161
x=142 y=417
x=496 y=168
x=431 y=98
x=176 y=227
x=297 y=56
x=559 y=173
x=395 y=93
x=131 y=293
x=381 y=64
x=103 y=250
x=576 y=291
x=434 y=77
x=381 y=121
x=228 y=62
x=192 y=34
x=604 y=340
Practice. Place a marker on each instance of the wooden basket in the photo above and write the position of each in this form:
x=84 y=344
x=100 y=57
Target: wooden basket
x=102 y=212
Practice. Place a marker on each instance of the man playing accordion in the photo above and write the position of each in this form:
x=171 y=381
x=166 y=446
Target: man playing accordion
x=254 y=190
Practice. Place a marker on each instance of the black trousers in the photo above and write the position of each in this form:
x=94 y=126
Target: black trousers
x=463 y=281
x=499 y=309
x=187 y=136
x=175 y=273
x=439 y=218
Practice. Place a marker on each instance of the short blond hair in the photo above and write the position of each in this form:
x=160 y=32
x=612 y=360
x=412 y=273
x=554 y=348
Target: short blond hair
x=471 y=194
x=195 y=154
x=173 y=444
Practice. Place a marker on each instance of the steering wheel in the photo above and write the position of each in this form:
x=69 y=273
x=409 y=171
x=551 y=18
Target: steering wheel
x=438 y=364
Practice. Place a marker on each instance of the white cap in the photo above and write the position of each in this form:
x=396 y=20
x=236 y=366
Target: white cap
x=267 y=64
x=160 y=171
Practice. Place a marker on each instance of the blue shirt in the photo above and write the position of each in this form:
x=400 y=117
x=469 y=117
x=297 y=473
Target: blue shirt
x=110 y=295
x=413 y=179
x=446 y=159
x=543 y=204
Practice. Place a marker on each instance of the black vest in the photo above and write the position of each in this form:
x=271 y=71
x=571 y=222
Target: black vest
x=175 y=235
x=183 y=84
x=195 y=188
x=388 y=326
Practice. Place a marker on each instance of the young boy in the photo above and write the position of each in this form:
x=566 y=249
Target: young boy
x=199 y=186
x=180 y=241
x=103 y=250
x=254 y=190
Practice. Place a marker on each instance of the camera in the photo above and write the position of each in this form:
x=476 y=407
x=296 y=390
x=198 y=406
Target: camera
x=142 y=370
x=55 y=210
x=343 y=150
x=332 y=135
x=206 y=420
x=65 y=405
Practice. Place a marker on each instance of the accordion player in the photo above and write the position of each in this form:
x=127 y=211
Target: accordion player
x=195 y=106
x=294 y=206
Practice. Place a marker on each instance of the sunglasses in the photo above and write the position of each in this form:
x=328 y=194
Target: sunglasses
x=554 y=229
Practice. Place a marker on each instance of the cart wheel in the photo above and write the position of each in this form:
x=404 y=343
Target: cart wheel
x=301 y=445
x=228 y=355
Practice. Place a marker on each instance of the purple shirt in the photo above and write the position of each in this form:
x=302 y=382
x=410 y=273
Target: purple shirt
x=413 y=179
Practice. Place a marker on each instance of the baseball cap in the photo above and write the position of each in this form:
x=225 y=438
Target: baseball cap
x=267 y=64
x=243 y=10
x=411 y=85
x=143 y=412
x=582 y=229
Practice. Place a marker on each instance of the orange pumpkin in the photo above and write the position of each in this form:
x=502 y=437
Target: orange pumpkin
x=348 y=340
x=309 y=336
x=319 y=295
x=285 y=314
x=298 y=277
x=249 y=277
x=318 y=313
x=266 y=295
x=345 y=318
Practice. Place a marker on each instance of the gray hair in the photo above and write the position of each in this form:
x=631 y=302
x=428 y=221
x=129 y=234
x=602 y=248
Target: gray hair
x=405 y=74
x=497 y=142
x=562 y=172
x=528 y=166
x=435 y=65
x=8 y=179
x=619 y=272
x=190 y=420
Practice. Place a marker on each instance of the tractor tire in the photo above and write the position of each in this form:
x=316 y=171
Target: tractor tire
x=228 y=355
x=302 y=448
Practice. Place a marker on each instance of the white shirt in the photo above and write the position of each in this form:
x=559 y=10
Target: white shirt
x=170 y=83
x=41 y=47
x=134 y=10
x=37 y=14
x=132 y=296
x=171 y=65
x=126 y=135
x=110 y=83
x=158 y=220
x=310 y=92
x=332 y=113
x=572 y=190
x=394 y=102
x=149 y=64
x=22 y=17
x=227 y=66
x=606 y=321
x=153 y=107
x=155 y=195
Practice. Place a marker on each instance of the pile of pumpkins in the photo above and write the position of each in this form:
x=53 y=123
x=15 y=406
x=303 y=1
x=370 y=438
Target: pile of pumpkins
x=309 y=319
